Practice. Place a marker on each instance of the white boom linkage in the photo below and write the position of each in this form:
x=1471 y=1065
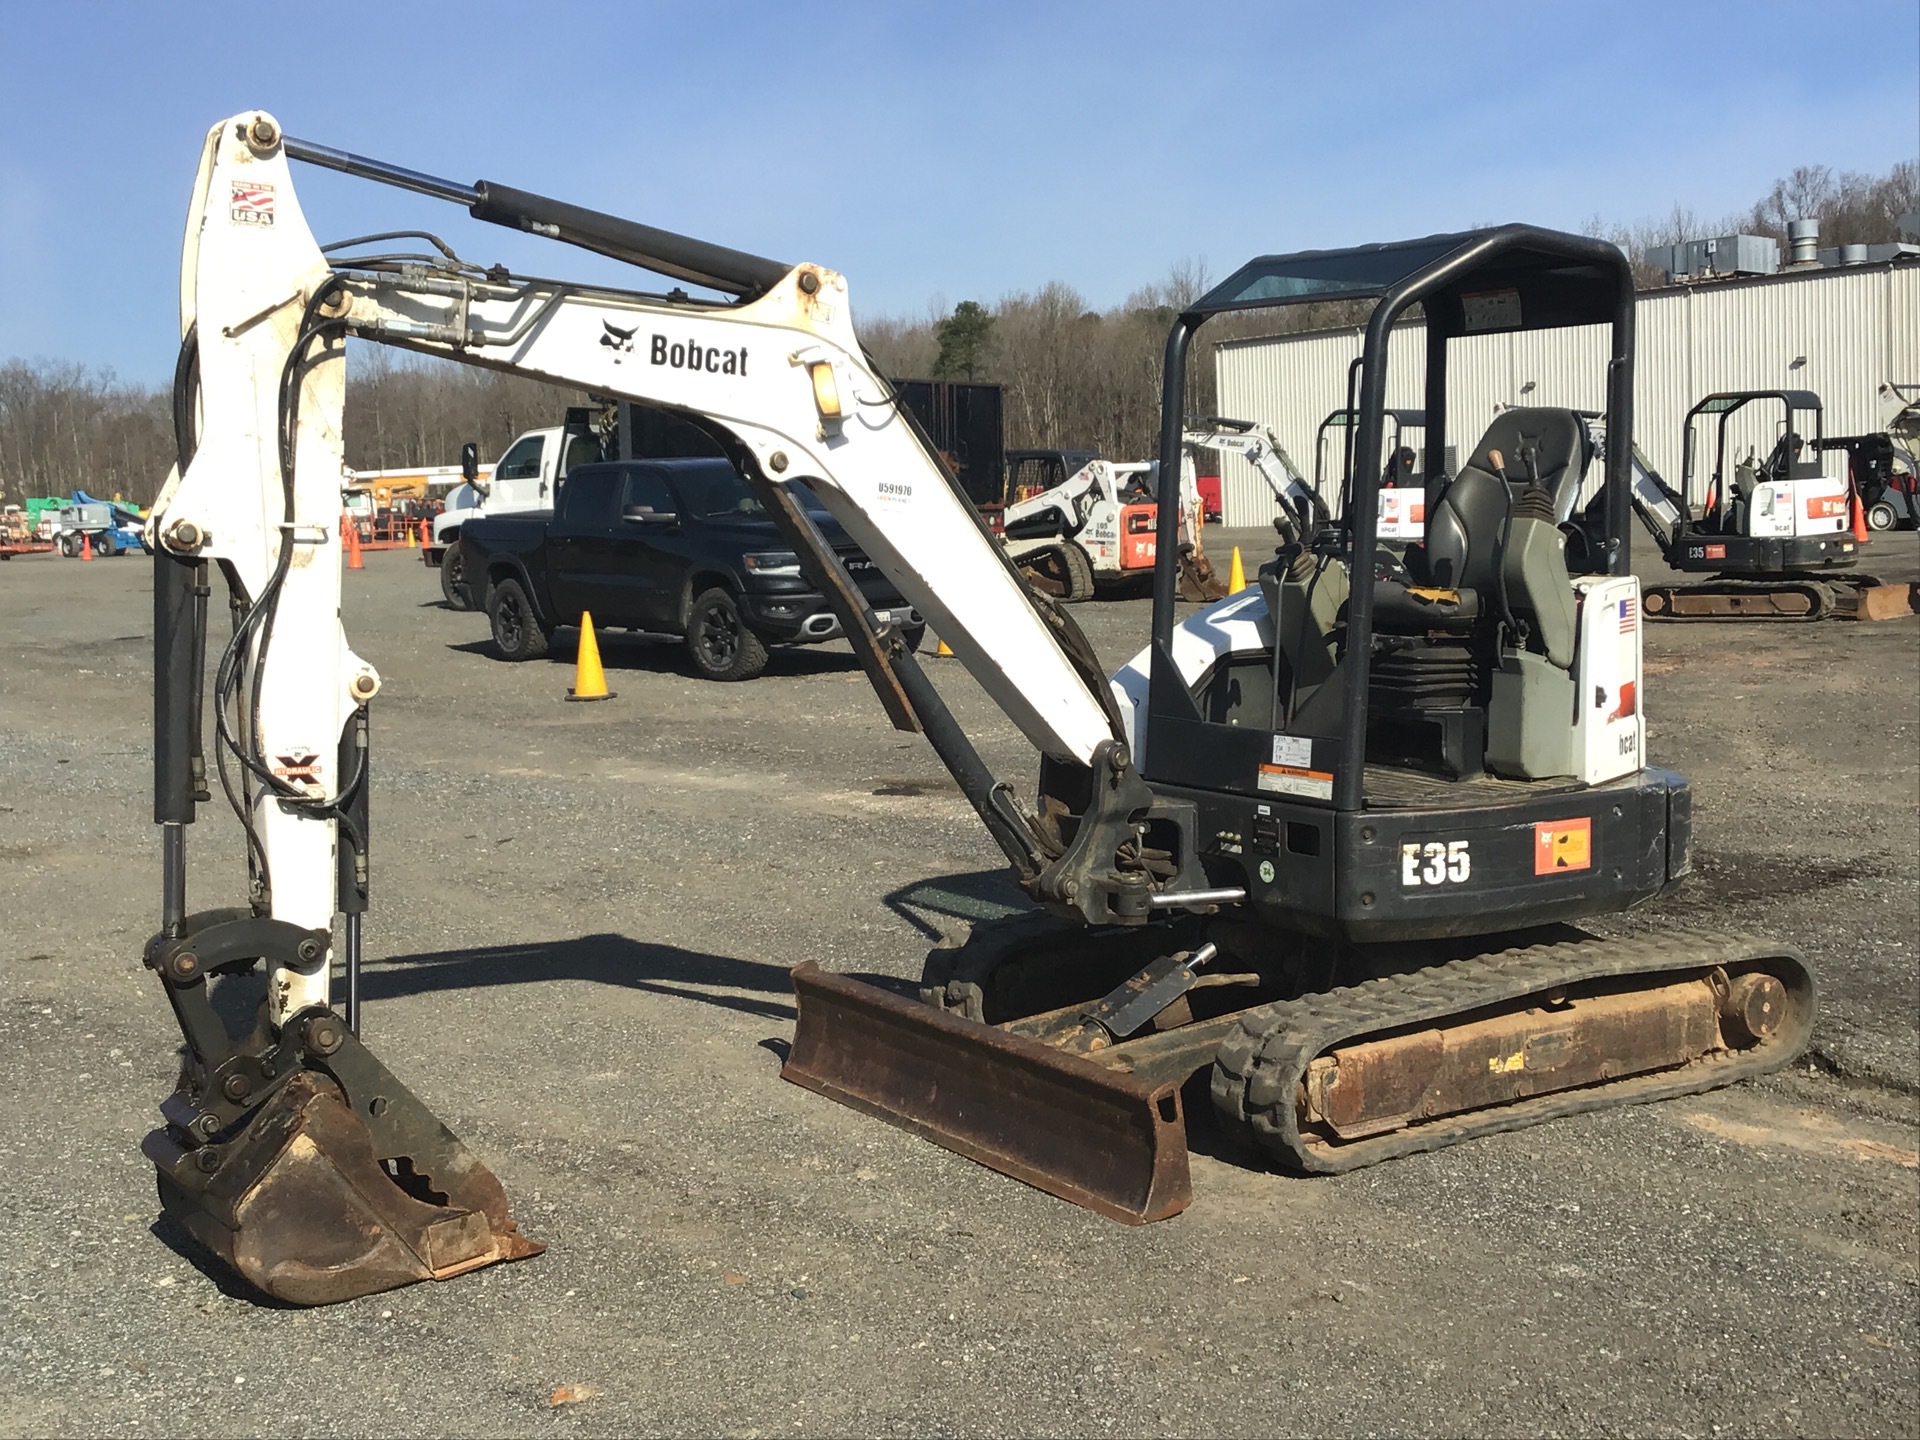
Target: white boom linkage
x=772 y=371
x=1259 y=447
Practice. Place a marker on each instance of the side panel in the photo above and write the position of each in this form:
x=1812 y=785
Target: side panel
x=1609 y=735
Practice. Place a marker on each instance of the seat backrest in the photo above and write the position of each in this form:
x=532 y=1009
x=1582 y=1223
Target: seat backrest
x=1541 y=445
x=1463 y=532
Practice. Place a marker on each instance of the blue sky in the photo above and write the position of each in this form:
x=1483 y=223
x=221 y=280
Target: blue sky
x=931 y=152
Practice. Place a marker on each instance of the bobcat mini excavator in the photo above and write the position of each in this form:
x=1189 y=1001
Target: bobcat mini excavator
x=1773 y=540
x=1318 y=845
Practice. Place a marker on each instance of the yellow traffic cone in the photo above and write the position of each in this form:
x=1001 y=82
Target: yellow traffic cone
x=589 y=680
x=1236 y=574
x=943 y=649
x=411 y=542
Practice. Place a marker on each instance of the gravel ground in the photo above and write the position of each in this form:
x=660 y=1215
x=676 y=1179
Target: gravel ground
x=584 y=919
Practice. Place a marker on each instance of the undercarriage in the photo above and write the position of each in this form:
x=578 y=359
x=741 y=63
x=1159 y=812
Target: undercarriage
x=1322 y=1058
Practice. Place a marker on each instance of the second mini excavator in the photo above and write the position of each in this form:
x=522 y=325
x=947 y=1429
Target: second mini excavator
x=1319 y=848
x=1773 y=538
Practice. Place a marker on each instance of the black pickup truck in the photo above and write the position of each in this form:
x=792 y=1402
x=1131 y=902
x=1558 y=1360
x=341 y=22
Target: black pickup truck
x=669 y=547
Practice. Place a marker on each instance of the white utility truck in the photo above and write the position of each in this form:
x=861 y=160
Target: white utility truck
x=522 y=479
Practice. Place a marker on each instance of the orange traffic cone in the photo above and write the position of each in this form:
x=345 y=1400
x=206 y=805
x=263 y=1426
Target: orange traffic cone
x=354 y=562
x=589 y=680
x=1236 y=574
x=1859 y=519
x=86 y=546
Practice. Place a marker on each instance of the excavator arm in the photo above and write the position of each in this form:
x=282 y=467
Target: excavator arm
x=291 y=1151
x=1260 y=448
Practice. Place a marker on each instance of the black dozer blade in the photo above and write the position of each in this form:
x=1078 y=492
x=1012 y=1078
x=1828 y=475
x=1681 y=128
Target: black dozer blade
x=1082 y=1131
x=318 y=1199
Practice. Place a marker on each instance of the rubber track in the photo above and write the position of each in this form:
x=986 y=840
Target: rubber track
x=1815 y=590
x=1258 y=1069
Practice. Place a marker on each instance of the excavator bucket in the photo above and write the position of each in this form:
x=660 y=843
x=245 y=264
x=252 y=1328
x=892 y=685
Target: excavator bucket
x=1085 y=1132
x=312 y=1204
x=1199 y=581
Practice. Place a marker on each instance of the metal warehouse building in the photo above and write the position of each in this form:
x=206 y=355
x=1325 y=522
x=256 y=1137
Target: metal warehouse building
x=1840 y=332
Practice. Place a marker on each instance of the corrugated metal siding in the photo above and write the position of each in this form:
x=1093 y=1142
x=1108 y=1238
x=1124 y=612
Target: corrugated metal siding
x=1852 y=329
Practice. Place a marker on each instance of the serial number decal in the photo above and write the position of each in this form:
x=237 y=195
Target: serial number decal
x=1435 y=862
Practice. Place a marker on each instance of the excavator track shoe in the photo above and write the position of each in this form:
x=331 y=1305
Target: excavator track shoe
x=1081 y=1131
x=1346 y=1078
x=312 y=1204
x=1836 y=597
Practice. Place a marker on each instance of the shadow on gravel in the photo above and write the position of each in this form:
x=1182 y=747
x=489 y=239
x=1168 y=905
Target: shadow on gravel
x=602 y=959
x=175 y=1236
x=971 y=896
x=1741 y=875
x=623 y=653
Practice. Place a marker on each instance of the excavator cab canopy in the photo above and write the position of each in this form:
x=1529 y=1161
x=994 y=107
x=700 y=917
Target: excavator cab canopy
x=1797 y=441
x=1507 y=279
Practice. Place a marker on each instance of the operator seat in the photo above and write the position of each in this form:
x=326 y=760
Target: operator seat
x=1470 y=533
x=1486 y=592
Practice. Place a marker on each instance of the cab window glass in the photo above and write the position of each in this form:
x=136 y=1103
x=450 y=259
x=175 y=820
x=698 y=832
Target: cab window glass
x=522 y=462
x=649 y=490
x=581 y=450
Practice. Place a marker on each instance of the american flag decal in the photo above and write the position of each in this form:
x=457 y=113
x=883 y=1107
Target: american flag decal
x=1629 y=615
x=251 y=203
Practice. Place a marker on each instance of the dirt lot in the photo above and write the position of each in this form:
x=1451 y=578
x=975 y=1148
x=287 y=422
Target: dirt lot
x=584 y=919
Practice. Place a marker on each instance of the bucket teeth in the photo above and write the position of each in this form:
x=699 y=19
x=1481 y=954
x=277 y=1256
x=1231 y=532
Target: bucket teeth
x=312 y=1204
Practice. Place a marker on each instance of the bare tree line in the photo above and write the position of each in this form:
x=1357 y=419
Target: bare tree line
x=64 y=427
x=1853 y=208
x=1074 y=376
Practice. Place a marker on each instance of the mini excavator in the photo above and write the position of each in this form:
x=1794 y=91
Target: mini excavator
x=1773 y=540
x=1316 y=855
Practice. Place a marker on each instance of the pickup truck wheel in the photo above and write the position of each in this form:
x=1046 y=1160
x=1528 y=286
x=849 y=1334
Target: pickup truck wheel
x=453 y=578
x=722 y=646
x=517 y=631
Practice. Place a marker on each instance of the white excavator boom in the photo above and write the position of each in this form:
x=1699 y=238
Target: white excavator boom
x=783 y=373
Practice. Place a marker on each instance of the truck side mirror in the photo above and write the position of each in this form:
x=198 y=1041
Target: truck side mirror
x=470 y=461
x=646 y=515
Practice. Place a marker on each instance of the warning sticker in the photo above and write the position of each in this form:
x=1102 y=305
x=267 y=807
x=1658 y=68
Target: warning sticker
x=1292 y=780
x=1490 y=310
x=1293 y=750
x=1562 y=845
x=1716 y=552
x=250 y=203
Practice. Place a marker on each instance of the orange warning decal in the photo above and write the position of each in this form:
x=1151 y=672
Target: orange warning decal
x=1562 y=845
